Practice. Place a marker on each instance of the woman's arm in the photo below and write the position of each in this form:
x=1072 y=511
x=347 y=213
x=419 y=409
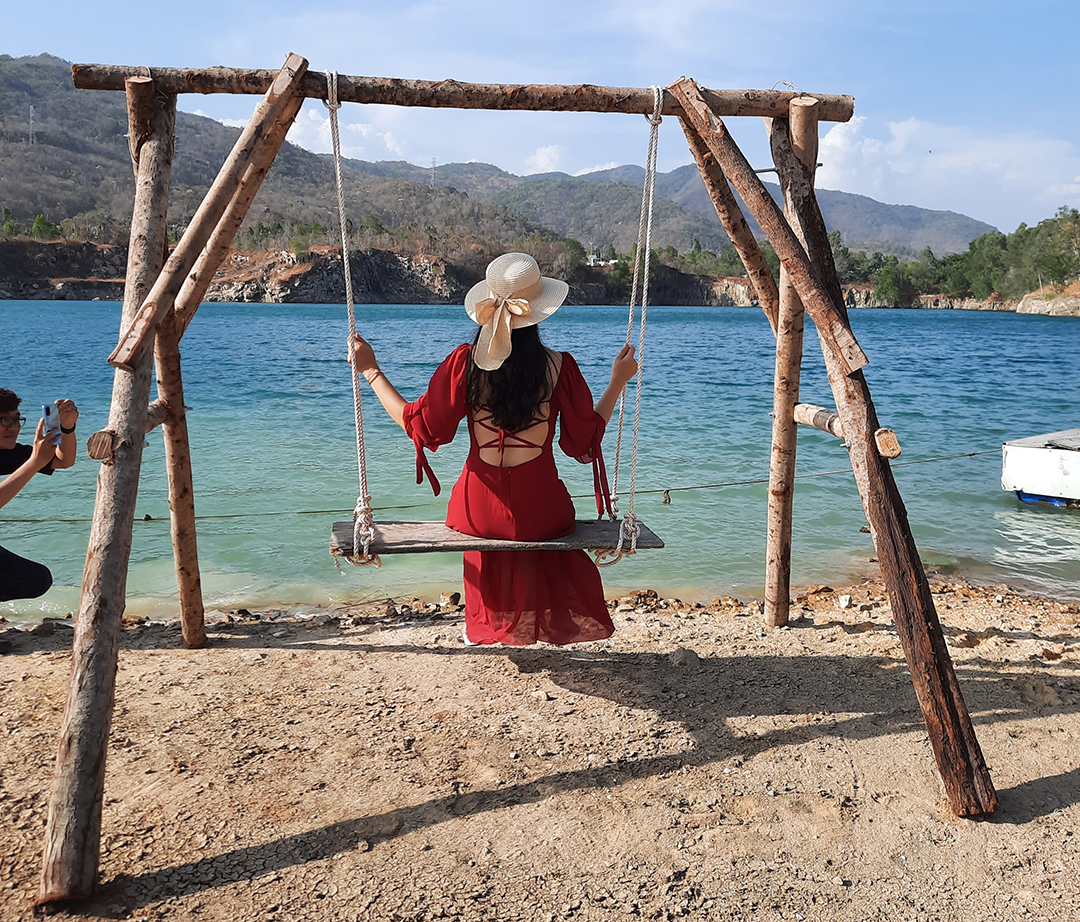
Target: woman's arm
x=363 y=357
x=40 y=455
x=622 y=370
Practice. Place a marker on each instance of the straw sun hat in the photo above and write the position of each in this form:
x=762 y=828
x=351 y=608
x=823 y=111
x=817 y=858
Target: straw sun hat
x=513 y=295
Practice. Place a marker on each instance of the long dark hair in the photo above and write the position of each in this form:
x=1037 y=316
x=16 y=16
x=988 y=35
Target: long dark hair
x=513 y=391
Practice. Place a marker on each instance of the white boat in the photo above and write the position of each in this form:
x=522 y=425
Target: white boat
x=1043 y=468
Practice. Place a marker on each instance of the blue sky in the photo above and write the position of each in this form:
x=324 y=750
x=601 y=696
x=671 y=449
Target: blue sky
x=965 y=106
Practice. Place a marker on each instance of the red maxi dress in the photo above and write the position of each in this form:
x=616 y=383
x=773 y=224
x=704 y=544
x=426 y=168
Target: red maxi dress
x=518 y=597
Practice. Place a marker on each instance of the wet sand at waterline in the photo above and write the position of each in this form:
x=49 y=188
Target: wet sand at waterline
x=362 y=763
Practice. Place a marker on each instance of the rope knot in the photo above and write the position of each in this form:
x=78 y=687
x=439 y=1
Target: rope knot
x=658 y=103
x=331 y=102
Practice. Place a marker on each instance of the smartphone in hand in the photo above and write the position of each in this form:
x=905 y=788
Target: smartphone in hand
x=50 y=413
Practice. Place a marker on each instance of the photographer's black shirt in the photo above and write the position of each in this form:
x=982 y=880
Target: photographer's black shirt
x=12 y=459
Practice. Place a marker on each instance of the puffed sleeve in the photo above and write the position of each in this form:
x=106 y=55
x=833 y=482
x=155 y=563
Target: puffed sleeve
x=433 y=420
x=581 y=428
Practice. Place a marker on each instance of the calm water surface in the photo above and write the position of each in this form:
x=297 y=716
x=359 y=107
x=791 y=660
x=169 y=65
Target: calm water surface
x=274 y=455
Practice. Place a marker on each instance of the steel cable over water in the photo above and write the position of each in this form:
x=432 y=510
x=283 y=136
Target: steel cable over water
x=691 y=487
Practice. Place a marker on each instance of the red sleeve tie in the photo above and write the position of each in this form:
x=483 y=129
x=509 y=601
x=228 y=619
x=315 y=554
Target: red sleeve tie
x=424 y=468
x=600 y=481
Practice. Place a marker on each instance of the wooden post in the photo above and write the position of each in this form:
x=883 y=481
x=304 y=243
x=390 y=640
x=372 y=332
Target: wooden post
x=735 y=226
x=803 y=125
x=831 y=326
x=202 y=273
x=170 y=382
x=73 y=831
x=952 y=737
x=181 y=490
x=136 y=338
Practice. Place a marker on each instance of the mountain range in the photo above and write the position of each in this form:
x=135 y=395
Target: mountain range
x=604 y=205
x=78 y=167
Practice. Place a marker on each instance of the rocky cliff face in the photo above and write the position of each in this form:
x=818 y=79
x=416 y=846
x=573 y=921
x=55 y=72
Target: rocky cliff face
x=69 y=270
x=734 y=292
x=942 y=303
x=62 y=270
x=35 y=270
x=1064 y=306
x=378 y=277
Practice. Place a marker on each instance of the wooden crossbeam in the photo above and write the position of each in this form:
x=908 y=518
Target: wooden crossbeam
x=817 y=301
x=435 y=537
x=454 y=94
x=137 y=338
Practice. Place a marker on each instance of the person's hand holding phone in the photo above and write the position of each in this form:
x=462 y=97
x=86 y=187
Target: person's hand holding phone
x=44 y=448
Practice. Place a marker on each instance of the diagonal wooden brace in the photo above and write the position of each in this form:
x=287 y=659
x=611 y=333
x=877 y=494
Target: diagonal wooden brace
x=712 y=131
x=217 y=247
x=138 y=337
x=735 y=226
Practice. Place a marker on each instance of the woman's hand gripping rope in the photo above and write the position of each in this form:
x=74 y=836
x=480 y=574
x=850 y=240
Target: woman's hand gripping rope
x=362 y=357
x=623 y=369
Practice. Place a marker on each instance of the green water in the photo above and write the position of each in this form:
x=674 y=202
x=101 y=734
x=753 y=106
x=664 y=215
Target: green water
x=274 y=454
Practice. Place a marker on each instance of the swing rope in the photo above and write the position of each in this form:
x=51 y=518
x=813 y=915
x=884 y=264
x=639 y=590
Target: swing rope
x=363 y=518
x=630 y=528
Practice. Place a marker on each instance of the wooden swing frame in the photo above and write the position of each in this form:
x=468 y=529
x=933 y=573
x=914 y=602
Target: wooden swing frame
x=162 y=294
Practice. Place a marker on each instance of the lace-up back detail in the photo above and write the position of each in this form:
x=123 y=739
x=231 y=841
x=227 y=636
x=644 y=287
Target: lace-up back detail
x=500 y=448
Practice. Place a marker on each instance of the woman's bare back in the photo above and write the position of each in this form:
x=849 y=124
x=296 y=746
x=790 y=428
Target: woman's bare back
x=516 y=448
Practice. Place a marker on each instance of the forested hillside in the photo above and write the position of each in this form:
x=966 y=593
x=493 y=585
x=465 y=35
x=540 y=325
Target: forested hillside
x=78 y=170
x=70 y=176
x=77 y=176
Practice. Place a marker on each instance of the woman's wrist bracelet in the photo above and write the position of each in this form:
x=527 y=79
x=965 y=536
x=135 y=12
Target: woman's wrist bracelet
x=64 y=429
x=372 y=378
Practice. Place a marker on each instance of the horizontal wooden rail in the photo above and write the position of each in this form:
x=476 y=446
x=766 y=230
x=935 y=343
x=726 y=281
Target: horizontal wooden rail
x=156 y=413
x=806 y=414
x=453 y=94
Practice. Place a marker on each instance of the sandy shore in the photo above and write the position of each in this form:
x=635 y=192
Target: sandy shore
x=364 y=764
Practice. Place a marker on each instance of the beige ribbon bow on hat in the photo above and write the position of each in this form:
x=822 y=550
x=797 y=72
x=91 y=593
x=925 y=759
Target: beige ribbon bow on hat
x=496 y=316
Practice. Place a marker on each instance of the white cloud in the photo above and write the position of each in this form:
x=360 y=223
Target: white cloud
x=596 y=169
x=393 y=143
x=1002 y=178
x=544 y=160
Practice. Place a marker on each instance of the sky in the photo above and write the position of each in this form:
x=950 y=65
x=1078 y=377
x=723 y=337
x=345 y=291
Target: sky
x=961 y=106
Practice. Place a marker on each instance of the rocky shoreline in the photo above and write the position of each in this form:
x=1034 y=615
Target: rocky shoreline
x=361 y=763
x=74 y=271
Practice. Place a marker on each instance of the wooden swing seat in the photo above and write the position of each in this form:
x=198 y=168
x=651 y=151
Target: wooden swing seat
x=435 y=537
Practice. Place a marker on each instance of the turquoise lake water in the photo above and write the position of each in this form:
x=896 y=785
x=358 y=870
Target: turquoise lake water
x=275 y=464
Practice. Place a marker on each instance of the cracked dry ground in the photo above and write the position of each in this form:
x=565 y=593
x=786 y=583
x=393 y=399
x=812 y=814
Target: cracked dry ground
x=364 y=764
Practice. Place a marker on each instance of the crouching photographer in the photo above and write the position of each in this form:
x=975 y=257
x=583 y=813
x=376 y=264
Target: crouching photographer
x=53 y=447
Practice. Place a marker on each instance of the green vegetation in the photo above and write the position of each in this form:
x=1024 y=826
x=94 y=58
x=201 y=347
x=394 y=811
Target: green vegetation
x=1009 y=265
x=45 y=229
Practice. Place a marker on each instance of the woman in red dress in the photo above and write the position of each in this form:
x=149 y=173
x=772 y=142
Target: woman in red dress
x=511 y=389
